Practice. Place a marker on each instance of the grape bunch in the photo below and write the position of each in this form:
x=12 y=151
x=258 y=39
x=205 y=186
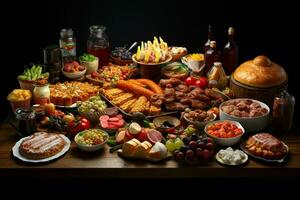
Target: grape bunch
x=94 y=104
x=121 y=52
x=196 y=149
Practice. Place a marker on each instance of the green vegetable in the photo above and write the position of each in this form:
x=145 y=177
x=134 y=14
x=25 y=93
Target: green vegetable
x=87 y=57
x=33 y=74
x=146 y=124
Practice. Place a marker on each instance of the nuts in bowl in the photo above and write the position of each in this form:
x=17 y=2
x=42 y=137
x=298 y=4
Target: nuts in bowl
x=225 y=132
x=198 y=117
x=252 y=114
x=91 y=139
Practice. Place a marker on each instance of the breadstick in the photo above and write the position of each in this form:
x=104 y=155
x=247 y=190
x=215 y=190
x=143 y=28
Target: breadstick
x=151 y=85
x=126 y=85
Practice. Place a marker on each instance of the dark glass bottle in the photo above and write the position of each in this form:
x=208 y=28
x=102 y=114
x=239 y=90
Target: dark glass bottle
x=283 y=112
x=212 y=55
x=230 y=53
x=209 y=38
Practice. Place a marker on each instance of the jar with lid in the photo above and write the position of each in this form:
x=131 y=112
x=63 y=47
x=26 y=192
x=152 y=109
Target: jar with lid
x=98 y=44
x=41 y=93
x=67 y=44
x=283 y=112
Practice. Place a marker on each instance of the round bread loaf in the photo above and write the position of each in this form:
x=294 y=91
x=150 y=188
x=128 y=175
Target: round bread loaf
x=260 y=72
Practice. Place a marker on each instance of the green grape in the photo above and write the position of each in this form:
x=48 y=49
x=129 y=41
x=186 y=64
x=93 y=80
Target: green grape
x=178 y=143
x=170 y=145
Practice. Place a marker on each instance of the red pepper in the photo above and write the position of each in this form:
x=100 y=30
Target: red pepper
x=79 y=125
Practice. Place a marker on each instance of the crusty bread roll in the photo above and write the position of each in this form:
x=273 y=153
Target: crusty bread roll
x=260 y=72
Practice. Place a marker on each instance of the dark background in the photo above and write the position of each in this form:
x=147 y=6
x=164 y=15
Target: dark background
x=262 y=27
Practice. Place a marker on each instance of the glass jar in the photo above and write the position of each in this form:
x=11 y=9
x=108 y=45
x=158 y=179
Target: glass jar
x=98 y=44
x=67 y=44
x=26 y=121
x=52 y=61
x=41 y=94
x=283 y=112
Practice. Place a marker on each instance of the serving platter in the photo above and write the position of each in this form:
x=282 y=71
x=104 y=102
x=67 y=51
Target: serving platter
x=129 y=115
x=231 y=164
x=16 y=153
x=281 y=160
x=120 y=153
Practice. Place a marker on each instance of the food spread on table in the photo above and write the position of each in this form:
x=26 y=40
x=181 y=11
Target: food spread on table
x=175 y=117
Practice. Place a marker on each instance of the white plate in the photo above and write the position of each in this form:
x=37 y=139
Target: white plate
x=74 y=105
x=16 y=153
x=231 y=164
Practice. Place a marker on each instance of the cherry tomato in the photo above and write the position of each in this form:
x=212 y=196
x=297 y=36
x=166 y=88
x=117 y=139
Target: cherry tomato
x=202 y=82
x=190 y=80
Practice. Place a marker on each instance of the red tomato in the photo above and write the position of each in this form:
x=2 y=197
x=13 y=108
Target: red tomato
x=190 y=80
x=202 y=82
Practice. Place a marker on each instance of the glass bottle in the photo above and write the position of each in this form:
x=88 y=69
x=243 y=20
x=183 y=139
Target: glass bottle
x=212 y=55
x=209 y=38
x=283 y=112
x=98 y=44
x=230 y=53
x=67 y=44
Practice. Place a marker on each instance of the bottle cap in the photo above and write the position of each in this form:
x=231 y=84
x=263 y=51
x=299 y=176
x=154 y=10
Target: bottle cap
x=218 y=64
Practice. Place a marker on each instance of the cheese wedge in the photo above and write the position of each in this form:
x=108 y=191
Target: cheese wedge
x=158 y=151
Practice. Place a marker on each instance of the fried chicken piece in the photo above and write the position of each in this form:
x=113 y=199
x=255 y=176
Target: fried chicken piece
x=182 y=88
x=197 y=104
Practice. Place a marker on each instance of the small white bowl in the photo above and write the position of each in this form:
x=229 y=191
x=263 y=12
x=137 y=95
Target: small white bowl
x=93 y=147
x=199 y=124
x=90 y=66
x=225 y=141
x=74 y=75
x=252 y=124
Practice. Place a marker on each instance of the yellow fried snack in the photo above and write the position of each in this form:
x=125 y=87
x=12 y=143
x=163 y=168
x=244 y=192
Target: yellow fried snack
x=147 y=108
x=139 y=106
x=111 y=93
x=19 y=95
x=128 y=105
x=124 y=97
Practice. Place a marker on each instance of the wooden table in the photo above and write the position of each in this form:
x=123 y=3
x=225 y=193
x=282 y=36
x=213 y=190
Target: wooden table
x=78 y=164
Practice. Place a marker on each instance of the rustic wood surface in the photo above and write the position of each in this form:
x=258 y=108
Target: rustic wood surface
x=78 y=164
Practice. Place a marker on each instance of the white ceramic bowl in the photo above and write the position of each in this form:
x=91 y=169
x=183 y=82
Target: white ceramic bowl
x=90 y=65
x=93 y=147
x=199 y=124
x=225 y=141
x=74 y=75
x=252 y=124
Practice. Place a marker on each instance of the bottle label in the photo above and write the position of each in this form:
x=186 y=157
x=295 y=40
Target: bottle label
x=68 y=49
